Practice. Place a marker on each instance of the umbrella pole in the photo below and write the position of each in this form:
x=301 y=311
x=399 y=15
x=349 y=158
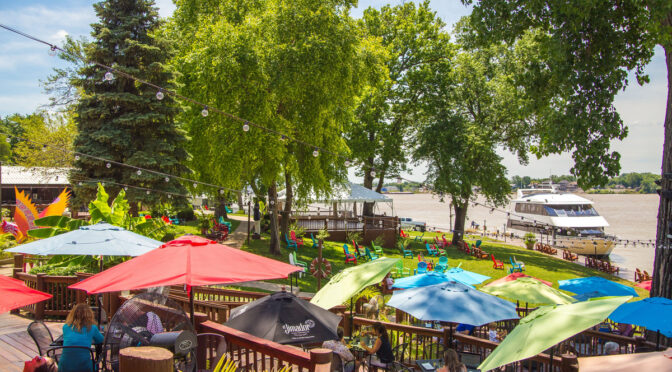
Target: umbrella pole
x=657 y=339
x=550 y=367
x=351 y=319
x=100 y=304
x=191 y=307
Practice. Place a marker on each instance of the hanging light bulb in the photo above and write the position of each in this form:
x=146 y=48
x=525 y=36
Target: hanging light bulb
x=195 y=184
x=205 y=112
x=52 y=51
x=44 y=147
x=79 y=183
x=159 y=95
x=76 y=157
x=108 y=165
x=147 y=192
x=347 y=163
x=221 y=191
x=8 y=140
x=272 y=202
x=373 y=173
x=169 y=196
x=139 y=172
x=246 y=127
x=125 y=188
x=109 y=76
x=316 y=152
x=167 y=179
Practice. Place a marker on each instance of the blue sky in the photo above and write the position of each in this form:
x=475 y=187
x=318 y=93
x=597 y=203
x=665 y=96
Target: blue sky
x=23 y=63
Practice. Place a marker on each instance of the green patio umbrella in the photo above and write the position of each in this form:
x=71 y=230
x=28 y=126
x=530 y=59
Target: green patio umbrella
x=548 y=326
x=529 y=290
x=350 y=281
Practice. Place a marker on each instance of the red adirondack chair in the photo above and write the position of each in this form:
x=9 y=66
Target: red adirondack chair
x=349 y=257
x=403 y=234
x=292 y=236
x=497 y=264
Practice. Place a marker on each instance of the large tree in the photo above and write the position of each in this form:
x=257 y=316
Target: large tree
x=292 y=67
x=413 y=38
x=121 y=119
x=591 y=46
x=47 y=140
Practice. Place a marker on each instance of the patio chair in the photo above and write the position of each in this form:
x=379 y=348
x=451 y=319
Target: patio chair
x=514 y=266
x=41 y=334
x=646 y=276
x=496 y=264
x=418 y=238
x=376 y=248
x=295 y=262
x=402 y=353
x=442 y=266
x=55 y=352
x=358 y=251
x=520 y=263
x=292 y=236
x=446 y=243
x=403 y=234
x=174 y=220
x=406 y=252
x=421 y=269
x=369 y=255
x=399 y=271
x=290 y=243
x=478 y=244
x=349 y=257
x=336 y=362
x=314 y=241
x=223 y=222
x=227 y=209
x=611 y=269
x=638 y=275
x=478 y=253
x=431 y=251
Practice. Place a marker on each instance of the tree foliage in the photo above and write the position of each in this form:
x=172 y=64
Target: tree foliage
x=121 y=119
x=293 y=67
x=47 y=140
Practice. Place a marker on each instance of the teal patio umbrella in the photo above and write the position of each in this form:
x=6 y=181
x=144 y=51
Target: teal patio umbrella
x=654 y=313
x=548 y=326
x=596 y=283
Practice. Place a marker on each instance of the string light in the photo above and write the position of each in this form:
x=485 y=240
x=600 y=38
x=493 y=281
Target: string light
x=52 y=52
x=139 y=172
x=159 y=95
x=76 y=157
x=246 y=127
x=373 y=173
x=167 y=179
x=316 y=152
x=108 y=165
x=8 y=140
x=109 y=76
x=205 y=112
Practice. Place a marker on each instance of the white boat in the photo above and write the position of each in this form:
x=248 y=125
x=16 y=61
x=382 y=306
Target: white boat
x=570 y=220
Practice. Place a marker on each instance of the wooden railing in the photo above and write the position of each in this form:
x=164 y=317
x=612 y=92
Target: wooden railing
x=257 y=354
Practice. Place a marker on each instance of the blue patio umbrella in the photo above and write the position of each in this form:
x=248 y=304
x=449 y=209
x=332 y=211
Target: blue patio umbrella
x=452 y=302
x=432 y=277
x=465 y=276
x=101 y=239
x=596 y=283
x=654 y=313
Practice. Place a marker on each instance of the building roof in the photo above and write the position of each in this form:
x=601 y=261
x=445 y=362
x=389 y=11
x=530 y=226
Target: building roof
x=15 y=175
x=350 y=193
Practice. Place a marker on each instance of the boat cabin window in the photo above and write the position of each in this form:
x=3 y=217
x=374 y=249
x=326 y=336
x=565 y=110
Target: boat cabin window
x=576 y=210
x=530 y=208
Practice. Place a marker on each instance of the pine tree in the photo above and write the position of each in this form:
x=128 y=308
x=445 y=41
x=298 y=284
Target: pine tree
x=122 y=120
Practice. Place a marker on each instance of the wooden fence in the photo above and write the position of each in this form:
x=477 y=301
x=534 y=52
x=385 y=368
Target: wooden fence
x=369 y=227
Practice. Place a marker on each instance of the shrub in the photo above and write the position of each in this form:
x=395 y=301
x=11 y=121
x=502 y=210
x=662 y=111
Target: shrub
x=168 y=237
x=186 y=215
x=529 y=238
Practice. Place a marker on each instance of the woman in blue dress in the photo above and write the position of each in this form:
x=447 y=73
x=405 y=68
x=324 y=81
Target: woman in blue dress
x=79 y=330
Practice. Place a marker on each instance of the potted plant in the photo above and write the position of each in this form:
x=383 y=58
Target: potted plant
x=204 y=222
x=529 y=239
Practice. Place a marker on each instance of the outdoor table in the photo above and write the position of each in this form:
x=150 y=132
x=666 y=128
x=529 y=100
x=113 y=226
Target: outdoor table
x=427 y=365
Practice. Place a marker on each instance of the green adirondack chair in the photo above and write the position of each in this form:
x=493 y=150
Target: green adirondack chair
x=377 y=249
x=399 y=271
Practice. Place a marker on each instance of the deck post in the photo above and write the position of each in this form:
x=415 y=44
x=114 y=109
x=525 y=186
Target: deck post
x=320 y=360
x=39 y=307
x=18 y=261
x=569 y=363
x=347 y=324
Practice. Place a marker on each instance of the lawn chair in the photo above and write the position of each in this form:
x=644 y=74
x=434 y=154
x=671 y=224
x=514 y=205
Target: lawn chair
x=399 y=271
x=358 y=251
x=369 y=255
x=314 y=241
x=446 y=243
x=290 y=243
x=465 y=247
x=514 y=266
x=225 y=223
x=227 y=209
x=377 y=249
x=520 y=263
x=174 y=220
x=646 y=276
x=421 y=269
x=403 y=234
x=442 y=266
x=497 y=264
x=418 y=238
x=478 y=253
x=638 y=275
x=478 y=244
x=611 y=269
x=292 y=236
x=406 y=252
x=349 y=257
x=295 y=262
x=431 y=250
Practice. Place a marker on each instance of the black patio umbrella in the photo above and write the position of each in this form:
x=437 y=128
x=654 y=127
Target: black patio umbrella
x=285 y=319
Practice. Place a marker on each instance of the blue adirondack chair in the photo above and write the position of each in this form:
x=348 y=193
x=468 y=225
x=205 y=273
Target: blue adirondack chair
x=314 y=240
x=515 y=267
x=369 y=255
x=442 y=266
x=418 y=238
x=349 y=257
x=407 y=252
x=222 y=222
x=174 y=220
x=422 y=268
x=228 y=210
x=431 y=251
x=290 y=243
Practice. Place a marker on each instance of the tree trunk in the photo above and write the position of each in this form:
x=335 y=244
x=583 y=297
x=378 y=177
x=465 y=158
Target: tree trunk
x=662 y=265
x=381 y=181
x=241 y=206
x=220 y=209
x=289 y=198
x=367 y=208
x=460 y=218
x=273 y=213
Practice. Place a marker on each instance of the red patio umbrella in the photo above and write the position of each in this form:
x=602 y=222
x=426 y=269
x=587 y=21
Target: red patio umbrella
x=15 y=294
x=514 y=276
x=189 y=260
x=645 y=284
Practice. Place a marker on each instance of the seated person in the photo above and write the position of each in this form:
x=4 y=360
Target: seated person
x=625 y=329
x=79 y=330
x=451 y=362
x=494 y=335
x=339 y=347
x=381 y=347
x=611 y=348
x=465 y=329
x=40 y=364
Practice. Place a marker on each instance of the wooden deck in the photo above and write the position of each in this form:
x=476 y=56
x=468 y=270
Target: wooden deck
x=16 y=346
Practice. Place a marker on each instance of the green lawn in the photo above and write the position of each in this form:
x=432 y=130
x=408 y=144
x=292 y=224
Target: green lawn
x=191 y=227
x=537 y=264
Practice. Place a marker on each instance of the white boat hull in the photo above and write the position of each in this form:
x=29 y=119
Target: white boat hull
x=585 y=246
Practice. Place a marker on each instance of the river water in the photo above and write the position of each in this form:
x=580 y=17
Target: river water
x=631 y=217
